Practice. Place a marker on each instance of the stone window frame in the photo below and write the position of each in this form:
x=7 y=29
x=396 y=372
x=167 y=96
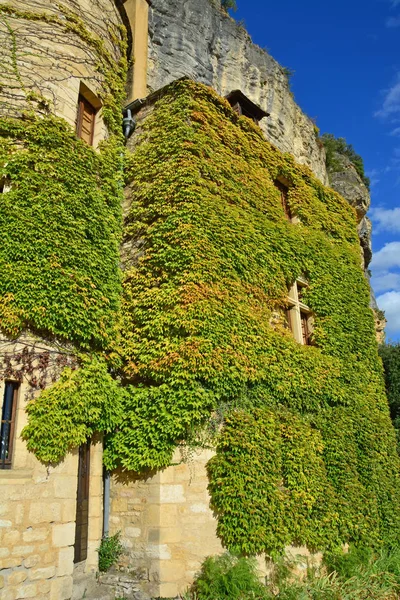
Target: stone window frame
x=300 y=318
x=87 y=96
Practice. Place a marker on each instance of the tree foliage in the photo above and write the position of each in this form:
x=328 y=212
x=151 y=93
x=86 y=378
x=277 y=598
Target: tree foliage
x=229 y=4
x=390 y=355
x=336 y=147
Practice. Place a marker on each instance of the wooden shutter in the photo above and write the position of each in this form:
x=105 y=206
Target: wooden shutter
x=82 y=504
x=8 y=424
x=305 y=330
x=85 y=120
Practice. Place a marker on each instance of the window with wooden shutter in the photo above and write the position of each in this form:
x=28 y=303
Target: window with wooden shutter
x=8 y=423
x=305 y=329
x=85 y=120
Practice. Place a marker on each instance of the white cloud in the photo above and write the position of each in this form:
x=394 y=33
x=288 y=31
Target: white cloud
x=395 y=132
x=385 y=219
x=387 y=258
x=390 y=304
x=393 y=22
x=391 y=103
x=385 y=282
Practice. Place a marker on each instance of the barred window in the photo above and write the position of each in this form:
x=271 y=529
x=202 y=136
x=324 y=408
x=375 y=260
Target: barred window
x=8 y=423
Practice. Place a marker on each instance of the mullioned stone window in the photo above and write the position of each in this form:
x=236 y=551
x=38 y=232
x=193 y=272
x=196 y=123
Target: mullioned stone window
x=299 y=316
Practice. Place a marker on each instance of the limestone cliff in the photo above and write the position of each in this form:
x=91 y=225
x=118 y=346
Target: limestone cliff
x=198 y=39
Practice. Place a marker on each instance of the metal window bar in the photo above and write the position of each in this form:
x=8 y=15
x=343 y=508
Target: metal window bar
x=8 y=424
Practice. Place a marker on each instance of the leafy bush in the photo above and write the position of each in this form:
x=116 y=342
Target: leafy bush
x=109 y=551
x=346 y=564
x=228 y=577
x=334 y=146
x=226 y=4
x=356 y=575
x=390 y=355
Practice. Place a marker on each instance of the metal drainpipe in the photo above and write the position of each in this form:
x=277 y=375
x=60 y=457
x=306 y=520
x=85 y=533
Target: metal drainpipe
x=128 y=123
x=106 y=502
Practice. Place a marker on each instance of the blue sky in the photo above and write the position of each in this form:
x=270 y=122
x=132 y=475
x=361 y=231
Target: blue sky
x=346 y=58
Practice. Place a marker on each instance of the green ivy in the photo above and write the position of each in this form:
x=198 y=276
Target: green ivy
x=61 y=219
x=307 y=453
x=390 y=354
x=215 y=257
x=64 y=416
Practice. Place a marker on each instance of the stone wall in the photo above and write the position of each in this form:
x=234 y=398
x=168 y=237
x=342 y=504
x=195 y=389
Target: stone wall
x=47 y=59
x=38 y=508
x=198 y=39
x=167 y=525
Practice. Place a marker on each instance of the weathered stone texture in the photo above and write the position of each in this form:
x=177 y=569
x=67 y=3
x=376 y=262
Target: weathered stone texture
x=347 y=182
x=167 y=525
x=50 y=60
x=197 y=39
x=38 y=505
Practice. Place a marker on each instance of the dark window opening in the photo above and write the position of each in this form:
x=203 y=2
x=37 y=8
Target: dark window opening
x=305 y=329
x=284 y=191
x=85 y=120
x=4 y=185
x=244 y=106
x=8 y=424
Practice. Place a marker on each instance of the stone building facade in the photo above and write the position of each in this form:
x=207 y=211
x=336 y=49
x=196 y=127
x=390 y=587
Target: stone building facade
x=166 y=524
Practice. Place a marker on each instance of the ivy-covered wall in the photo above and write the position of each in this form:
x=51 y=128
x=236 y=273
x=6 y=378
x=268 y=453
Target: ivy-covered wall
x=307 y=453
x=60 y=213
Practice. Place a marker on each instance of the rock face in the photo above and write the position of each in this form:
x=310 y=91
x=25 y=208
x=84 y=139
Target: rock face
x=347 y=182
x=198 y=39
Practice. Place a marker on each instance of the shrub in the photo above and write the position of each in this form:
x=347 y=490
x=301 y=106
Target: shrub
x=335 y=146
x=109 y=551
x=229 y=577
x=227 y=4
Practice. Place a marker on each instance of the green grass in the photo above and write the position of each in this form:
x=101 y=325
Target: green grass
x=359 y=574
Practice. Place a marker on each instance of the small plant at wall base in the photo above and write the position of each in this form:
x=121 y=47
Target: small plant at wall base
x=109 y=551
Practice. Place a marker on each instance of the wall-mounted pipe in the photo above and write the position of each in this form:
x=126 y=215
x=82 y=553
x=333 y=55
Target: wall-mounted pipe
x=106 y=502
x=128 y=123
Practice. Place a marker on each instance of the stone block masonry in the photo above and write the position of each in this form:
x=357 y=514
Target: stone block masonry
x=167 y=525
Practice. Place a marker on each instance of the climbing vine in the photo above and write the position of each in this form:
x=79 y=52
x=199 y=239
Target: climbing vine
x=211 y=254
x=212 y=257
x=61 y=216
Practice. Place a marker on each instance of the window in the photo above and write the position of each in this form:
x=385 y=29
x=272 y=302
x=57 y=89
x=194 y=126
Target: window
x=8 y=423
x=244 y=106
x=85 y=120
x=299 y=316
x=284 y=190
x=4 y=185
